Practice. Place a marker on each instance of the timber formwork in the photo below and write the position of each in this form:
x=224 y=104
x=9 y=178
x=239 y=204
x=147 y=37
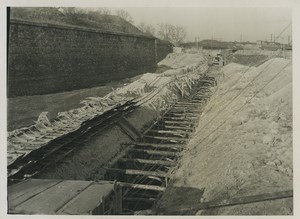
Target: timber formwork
x=143 y=171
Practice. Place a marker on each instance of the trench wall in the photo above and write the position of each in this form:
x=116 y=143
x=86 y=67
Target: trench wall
x=48 y=58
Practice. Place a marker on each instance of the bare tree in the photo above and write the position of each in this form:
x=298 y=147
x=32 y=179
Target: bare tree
x=178 y=34
x=104 y=11
x=165 y=31
x=124 y=15
x=169 y=32
x=146 y=28
x=68 y=10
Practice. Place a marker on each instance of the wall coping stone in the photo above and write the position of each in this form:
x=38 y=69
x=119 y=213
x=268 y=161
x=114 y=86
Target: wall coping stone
x=75 y=28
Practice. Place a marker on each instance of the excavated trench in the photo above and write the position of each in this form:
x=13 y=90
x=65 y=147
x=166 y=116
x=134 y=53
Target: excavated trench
x=143 y=162
x=144 y=168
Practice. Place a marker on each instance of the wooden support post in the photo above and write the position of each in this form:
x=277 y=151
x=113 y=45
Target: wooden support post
x=117 y=198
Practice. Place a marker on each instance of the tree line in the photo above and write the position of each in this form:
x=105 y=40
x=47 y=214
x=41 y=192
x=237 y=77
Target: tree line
x=175 y=34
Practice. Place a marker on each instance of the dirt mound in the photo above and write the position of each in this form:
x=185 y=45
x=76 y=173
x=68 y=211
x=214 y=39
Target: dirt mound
x=179 y=60
x=243 y=145
x=247 y=59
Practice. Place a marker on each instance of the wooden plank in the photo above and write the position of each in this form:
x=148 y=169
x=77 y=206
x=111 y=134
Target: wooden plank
x=184 y=112
x=166 y=138
x=171 y=146
x=118 y=198
x=144 y=161
x=177 y=122
x=183 y=109
x=137 y=172
x=168 y=132
x=142 y=186
x=229 y=202
x=181 y=118
x=48 y=201
x=202 y=96
x=87 y=200
x=189 y=104
x=20 y=192
x=189 y=116
x=180 y=127
x=155 y=152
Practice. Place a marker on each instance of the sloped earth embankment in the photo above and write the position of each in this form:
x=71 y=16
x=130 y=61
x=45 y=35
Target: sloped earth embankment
x=243 y=144
x=161 y=89
x=156 y=92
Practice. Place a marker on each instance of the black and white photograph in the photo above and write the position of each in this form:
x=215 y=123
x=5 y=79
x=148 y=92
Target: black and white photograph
x=149 y=109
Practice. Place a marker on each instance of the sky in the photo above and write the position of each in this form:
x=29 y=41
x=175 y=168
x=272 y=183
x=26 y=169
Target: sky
x=226 y=24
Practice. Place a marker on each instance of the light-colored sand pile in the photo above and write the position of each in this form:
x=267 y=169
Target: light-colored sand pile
x=179 y=60
x=243 y=145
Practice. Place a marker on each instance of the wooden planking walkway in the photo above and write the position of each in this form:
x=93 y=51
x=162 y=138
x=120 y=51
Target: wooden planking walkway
x=48 y=196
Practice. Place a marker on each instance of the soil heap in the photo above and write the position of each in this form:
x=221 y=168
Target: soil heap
x=243 y=144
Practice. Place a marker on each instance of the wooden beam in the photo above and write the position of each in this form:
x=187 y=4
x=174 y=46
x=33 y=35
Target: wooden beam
x=228 y=202
x=137 y=172
x=180 y=127
x=177 y=122
x=168 y=132
x=117 y=199
x=166 y=138
x=179 y=103
x=184 y=110
x=183 y=114
x=155 y=152
x=198 y=101
x=171 y=146
x=152 y=162
x=183 y=117
x=201 y=96
x=142 y=186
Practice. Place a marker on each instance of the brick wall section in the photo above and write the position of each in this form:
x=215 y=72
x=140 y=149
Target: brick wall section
x=49 y=58
x=163 y=49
